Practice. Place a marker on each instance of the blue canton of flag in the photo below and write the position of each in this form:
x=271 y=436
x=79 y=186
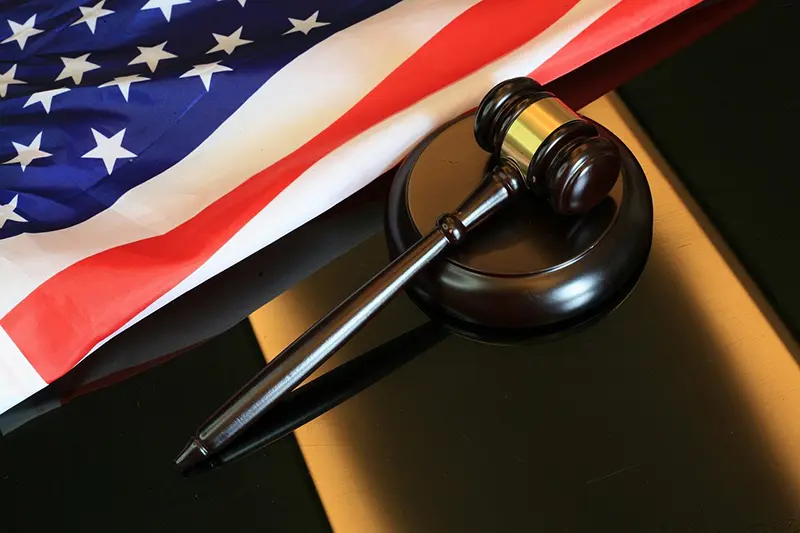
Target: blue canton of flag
x=97 y=97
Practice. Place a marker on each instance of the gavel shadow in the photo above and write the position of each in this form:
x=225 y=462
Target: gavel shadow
x=326 y=392
x=632 y=423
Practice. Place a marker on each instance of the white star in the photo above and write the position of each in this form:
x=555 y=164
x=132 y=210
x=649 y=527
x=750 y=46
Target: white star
x=7 y=212
x=152 y=55
x=228 y=43
x=306 y=25
x=91 y=14
x=109 y=149
x=45 y=98
x=164 y=5
x=241 y=2
x=26 y=154
x=22 y=32
x=124 y=83
x=75 y=68
x=206 y=71
x=8 y=79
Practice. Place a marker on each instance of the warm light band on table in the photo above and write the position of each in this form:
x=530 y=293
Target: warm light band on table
x=744 y=339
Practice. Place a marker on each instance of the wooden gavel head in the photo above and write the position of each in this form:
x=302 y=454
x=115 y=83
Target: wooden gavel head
x=559 y=155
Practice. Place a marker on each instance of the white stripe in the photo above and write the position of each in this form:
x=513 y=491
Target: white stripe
x=18 y=379
x=295 y=105
x=345 y=170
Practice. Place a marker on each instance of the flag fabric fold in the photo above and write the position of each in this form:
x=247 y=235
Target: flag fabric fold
x=146 y=145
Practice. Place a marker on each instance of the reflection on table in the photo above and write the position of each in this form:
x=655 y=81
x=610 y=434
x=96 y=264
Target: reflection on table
x=679 y=410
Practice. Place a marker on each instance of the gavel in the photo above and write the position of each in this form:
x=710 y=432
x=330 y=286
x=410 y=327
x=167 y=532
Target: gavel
x=539 y=145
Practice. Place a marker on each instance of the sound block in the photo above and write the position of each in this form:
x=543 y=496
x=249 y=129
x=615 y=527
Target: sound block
x=526 y=272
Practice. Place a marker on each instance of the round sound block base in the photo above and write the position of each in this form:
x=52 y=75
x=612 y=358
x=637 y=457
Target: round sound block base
x=526 y=271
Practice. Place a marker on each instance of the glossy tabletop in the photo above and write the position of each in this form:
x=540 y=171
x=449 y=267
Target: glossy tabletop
x=680 y=411
x=677 y=412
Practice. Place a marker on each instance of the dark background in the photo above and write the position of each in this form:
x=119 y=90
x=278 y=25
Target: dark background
x=725 y=112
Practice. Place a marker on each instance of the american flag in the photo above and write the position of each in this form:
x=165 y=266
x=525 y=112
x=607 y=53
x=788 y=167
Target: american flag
x=147 y=145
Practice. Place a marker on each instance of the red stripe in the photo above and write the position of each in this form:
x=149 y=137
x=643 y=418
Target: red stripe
x=74 y=310
x=623 y=22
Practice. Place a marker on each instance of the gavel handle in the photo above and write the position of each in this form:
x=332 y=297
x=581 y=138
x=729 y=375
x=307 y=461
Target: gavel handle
x=323 y=339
